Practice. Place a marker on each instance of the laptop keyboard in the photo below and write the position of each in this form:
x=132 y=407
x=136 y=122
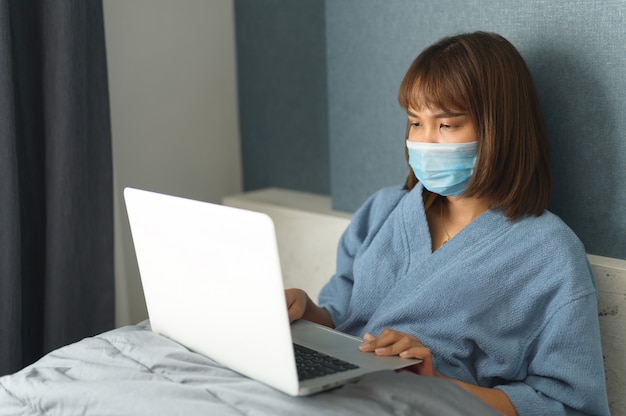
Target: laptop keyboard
x=311 y=363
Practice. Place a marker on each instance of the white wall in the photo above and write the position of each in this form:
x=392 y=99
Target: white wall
x=172 y=83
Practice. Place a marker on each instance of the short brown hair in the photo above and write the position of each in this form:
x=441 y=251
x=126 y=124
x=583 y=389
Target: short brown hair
x=483 y=75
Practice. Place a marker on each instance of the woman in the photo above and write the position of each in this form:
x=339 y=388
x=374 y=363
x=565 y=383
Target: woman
x=464 y=267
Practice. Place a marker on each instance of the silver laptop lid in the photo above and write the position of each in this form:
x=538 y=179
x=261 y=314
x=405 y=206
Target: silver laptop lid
x=192 y=257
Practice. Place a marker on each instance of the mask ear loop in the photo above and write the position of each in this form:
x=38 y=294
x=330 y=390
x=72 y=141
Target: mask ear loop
x=411 y=179
x=406 y=137
x=428 y=198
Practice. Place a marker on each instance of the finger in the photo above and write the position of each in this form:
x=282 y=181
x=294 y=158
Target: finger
x=293 y=315
x=426 y=367
x=400 y=345
x=367 y=345
x=391 y=342
x=295 y=310
x=290 y=296
x=416 y=352
x=381 y=344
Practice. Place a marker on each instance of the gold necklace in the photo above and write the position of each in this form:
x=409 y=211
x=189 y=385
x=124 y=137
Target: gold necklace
x=443 y=224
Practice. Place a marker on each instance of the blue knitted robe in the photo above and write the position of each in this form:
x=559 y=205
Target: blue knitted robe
x=510 y=305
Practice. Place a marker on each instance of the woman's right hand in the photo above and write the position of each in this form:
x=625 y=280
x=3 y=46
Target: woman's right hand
x=300 y=306
x=297 y=301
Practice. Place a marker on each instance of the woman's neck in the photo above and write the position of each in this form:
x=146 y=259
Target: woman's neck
x=459 y=212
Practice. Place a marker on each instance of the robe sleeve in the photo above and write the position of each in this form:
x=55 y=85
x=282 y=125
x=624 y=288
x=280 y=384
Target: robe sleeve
x=336 y=294
x=564 y=375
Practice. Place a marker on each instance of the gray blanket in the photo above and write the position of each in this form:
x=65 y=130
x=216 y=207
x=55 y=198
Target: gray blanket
x=132 y=371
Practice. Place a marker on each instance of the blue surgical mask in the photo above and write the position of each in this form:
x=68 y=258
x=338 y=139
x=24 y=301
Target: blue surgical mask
x=443 y=168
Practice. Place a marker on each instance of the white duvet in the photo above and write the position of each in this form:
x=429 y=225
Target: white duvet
x=132 y=371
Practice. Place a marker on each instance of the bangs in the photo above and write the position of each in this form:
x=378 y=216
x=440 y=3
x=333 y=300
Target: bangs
x=432 y=83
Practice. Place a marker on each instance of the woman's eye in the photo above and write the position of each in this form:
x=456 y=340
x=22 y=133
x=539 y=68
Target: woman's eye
x=446 y=126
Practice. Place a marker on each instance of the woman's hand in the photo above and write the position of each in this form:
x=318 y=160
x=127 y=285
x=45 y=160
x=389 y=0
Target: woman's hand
x=300 y=306
x=391 y=342
x=297 y=300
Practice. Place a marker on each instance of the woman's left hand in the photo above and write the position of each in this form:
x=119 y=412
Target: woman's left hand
x=391 y=342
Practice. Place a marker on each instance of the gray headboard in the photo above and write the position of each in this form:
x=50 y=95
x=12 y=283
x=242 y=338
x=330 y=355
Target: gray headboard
x=318 y=83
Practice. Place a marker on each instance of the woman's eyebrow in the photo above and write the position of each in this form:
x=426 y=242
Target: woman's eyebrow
x=439 y=115
x=449 y=115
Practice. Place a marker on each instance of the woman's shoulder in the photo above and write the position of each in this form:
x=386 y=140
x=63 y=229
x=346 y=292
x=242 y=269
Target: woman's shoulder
x=557 y=246
x=549 y=228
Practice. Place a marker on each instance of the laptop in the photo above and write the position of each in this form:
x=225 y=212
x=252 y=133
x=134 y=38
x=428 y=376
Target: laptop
x=212 y=282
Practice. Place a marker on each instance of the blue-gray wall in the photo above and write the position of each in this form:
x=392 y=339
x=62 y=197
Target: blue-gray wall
x=576 y=51
x=281 y=59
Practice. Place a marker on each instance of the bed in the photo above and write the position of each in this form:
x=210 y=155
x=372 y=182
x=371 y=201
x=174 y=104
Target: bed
x=133 y=371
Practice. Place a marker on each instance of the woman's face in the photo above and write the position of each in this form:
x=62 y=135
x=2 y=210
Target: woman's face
x=436 y=126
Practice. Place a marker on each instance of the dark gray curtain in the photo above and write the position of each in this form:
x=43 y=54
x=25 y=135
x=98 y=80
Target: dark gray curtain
x=56 y=209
